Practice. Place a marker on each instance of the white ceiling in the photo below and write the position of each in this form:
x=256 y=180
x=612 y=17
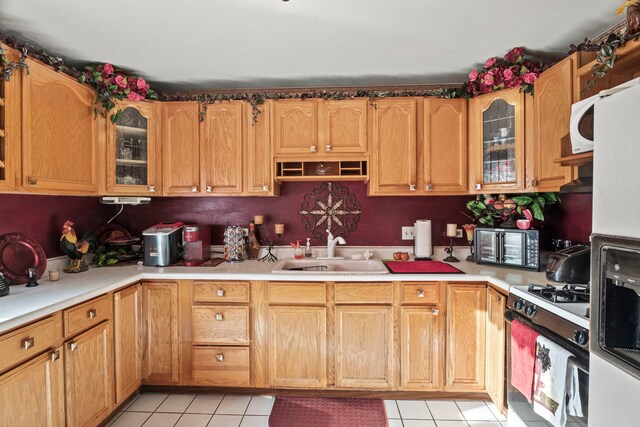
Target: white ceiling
x=270 y=43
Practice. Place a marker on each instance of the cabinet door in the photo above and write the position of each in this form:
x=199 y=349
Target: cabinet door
x=393 y=160
x=344 y=126
x=444 y=151
x=465 y=352
x=10 y=139
x=259 y=162
x=551 y=116
x=496 y=141
x=160 y=313
x=89 y=378
x=297 y=347
x=180 y=148
x=364 y=342
x=131 y=150
x=33 y=393
x=296 y=126
x=127 y=325
x=421 y=348
x=222 y=148
x=496 y=347
x=59 y=133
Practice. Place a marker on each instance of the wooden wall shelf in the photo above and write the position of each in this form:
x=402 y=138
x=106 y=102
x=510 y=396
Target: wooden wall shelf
x=576 y=159
x=334 y=170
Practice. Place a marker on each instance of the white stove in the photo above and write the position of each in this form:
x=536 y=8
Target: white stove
x=569 y=302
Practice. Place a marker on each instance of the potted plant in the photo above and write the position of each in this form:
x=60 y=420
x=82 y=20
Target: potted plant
x=505 y=210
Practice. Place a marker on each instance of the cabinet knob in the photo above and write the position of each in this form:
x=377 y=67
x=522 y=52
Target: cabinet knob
x=478 y=187
x=265 y=188
x=1 y=130
x=428 y=187
x=55 y=355
x=194 y=189
x=420 y=294
x=313 y=148
x=220 y=292
x=534 y=183
x=209 y=189
x=27 y=343
x=219 y=357
x=327 y=148
x=92 y=313
x=219 y=316
x=412 y=187
x=73 y=346
x=152 y=189
x=435 y=311
x=32 y=181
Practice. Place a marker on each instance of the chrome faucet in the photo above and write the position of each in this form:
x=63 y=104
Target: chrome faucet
x=332 y=242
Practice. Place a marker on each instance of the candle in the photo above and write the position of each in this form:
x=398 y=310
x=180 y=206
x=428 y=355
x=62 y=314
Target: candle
x=258 y=219
x=54 y=275
x=279 y=228
x=452 y=230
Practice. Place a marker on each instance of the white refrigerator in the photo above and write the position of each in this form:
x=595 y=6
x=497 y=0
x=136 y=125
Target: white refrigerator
x=614 y=395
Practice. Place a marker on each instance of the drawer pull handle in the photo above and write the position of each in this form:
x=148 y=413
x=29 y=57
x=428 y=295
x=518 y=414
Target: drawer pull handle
x=220 y=292
x=412 y=187
x=219 y=316
x=327 y=148
x=152 y=189
x=209 y=189
x=91 y=314
x=428 y=187
x=55 y=355
x=73 y=346
x=27 y=343
x=194 y=189
x=219 y=357
x=313 y=149
x=420 y=294
x=534 y=183
x=435 y=311
x=32 y=181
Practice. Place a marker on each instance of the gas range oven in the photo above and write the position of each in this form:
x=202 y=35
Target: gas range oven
x=560 y=314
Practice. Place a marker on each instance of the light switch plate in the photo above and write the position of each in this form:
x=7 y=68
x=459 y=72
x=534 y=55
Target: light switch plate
x=408 y=233
x=459 y=233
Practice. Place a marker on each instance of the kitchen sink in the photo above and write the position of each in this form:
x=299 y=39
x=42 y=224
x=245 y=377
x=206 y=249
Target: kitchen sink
x=330 y=266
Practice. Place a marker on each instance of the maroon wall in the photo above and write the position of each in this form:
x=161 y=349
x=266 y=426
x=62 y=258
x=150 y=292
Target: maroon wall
x=42 y=217
x=572 y=219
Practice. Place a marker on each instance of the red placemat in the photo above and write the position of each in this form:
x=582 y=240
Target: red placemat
x=326 y=412
x=421 y=267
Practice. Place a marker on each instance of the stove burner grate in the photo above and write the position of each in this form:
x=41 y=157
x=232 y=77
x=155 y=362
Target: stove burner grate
x=568 y=293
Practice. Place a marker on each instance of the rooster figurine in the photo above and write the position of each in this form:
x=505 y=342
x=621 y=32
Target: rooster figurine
x=76 y=249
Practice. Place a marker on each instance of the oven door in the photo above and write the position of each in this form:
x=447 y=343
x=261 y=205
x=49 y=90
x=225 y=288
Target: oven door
x=521 y=412
x=514 y=250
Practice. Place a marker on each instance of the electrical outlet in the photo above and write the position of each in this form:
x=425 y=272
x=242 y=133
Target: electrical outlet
x=408 y=233
x=459 y=233
x=245 y=231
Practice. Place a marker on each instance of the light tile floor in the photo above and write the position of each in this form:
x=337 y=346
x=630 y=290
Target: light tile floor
x=211 y=410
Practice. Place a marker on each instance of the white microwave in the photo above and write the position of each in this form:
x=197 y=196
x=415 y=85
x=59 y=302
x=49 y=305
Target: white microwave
x=583 y=118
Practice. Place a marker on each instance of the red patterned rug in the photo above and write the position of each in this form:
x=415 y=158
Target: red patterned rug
x=325 y=412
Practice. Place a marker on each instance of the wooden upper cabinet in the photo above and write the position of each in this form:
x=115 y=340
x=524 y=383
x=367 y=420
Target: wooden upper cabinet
x=496 y=347
x=551 y=117
x=421 y=335
x=259 y=162
x=496 y=142
x=89 y=376
x=10 y=131
x=33 y=393
x=222 y=148
x=127 y=325
x=393 y=160
x=132 y=150
x=444 y=153
x=466 y=340
x=344 y=126
x=59 y=133
x=180 y=148
x=296 y=126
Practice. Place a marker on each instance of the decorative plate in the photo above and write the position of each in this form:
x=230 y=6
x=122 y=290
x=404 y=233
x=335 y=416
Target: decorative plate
x=19 y=252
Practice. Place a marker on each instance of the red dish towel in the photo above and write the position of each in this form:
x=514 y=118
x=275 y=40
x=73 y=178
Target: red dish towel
x=523 y=357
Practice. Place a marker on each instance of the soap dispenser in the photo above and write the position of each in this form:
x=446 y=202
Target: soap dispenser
x=308 y=253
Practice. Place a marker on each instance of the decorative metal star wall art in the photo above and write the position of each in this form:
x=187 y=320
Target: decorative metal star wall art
x=330 y=206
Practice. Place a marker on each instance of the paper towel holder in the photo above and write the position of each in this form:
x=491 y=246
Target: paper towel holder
x=422 y=246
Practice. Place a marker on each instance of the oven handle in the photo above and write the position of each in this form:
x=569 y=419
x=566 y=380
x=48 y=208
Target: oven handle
x=581 y=357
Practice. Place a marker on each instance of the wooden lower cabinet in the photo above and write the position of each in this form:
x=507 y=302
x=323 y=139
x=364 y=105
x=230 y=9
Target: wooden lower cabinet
x=127 y=330
x=496 y=347
x=161 y=314
x=89 y=376
x=364 y=347
x=466 y=338
x=221 y=366
x=33 y=393
x=420 y=347
x=297 y=347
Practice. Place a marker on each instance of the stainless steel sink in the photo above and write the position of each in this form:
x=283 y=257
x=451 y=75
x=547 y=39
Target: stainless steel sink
x=330 y=266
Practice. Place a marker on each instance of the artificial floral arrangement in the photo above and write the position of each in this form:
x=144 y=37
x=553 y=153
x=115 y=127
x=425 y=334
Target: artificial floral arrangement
x=498 y=73
x=8 y=67
x=112 y=83
x=489 y=209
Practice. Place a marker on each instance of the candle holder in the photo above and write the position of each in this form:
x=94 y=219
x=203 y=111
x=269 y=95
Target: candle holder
x=264 y=239
x=469 y=230
x=449 y=251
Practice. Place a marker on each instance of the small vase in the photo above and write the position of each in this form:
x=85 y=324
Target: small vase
x=633 y=19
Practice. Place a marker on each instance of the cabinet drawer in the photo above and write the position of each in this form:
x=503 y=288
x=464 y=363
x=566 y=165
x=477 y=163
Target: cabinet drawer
x=22 y=344
x=359 y=293
x=84 y=316
x=297 y=293
x=220 y=292
x=220 y=325
x=420 y=293
x=221 y=366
